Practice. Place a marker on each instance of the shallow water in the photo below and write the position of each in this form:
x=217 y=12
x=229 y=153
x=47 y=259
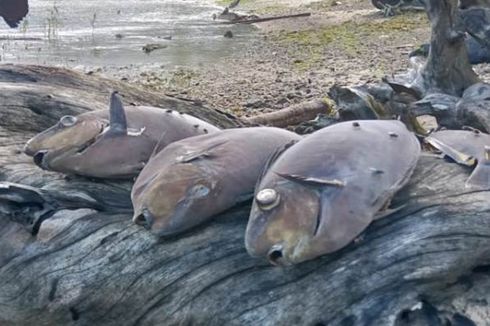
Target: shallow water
x=111 y=33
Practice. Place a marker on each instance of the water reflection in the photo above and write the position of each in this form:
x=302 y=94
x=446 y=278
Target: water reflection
x=112 y=33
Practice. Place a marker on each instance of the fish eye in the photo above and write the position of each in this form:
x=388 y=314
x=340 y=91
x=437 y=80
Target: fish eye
x=267 y=199
x=199 y=191
x=68 y=120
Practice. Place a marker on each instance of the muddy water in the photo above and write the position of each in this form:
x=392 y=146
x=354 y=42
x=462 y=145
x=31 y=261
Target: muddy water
x=111 y=33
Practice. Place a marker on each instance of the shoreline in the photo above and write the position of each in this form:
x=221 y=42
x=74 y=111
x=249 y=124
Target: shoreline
x=293 y=60
x=296 y=60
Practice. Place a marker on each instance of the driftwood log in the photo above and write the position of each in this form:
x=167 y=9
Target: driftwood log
x=293 y=115
x=427 y=264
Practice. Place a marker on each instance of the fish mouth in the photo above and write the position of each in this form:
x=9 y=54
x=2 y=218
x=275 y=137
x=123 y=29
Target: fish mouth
x=147 y=220
x=39 y=159
x=144 y=219
x=276 y=256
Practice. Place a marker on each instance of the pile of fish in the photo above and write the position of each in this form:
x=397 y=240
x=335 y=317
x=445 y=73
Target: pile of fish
x=312 y=195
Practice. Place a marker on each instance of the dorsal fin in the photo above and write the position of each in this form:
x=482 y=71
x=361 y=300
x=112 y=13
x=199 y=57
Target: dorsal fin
x=117 y=116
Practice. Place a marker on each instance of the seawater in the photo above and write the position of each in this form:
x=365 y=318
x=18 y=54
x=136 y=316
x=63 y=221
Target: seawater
x=112 y=33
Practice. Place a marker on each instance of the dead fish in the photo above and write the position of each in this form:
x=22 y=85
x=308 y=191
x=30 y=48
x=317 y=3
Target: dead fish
x=111 y=144
x=321 y=193
x=196 y=178
x=467 y=147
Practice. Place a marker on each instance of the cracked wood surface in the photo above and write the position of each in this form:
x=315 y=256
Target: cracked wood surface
x=91 y=266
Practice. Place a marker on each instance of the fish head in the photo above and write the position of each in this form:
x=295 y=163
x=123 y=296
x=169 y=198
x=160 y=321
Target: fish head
x=173 y=198
x=93 y=145
x=70 y=132
x=110 y=156
x=283 y=221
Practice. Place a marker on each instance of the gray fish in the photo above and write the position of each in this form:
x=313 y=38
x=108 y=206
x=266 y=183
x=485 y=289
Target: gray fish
x=111 y=144
x=467 y=147
x=321 y=193
x=196 y=178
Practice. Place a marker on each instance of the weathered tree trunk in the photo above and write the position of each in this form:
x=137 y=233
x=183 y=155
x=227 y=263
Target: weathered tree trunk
x=448 y=69
x=427 y=263
x=444 y=86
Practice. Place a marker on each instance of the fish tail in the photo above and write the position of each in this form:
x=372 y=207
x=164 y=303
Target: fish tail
x=480 y=178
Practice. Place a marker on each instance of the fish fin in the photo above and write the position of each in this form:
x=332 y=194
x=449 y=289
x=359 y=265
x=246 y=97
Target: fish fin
x=312 y=180
x=388 y=211
x=195 y=155
x=272 y=158
x=480 y=178
x=117 y=116
x=458 y=157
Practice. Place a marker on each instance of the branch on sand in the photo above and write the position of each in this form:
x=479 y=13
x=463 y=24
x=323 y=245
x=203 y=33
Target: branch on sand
x=293 y=115
x=265 y=19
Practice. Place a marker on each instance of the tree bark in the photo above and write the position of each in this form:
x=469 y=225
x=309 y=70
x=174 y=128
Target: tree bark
x=448 y=69
x=90 y=265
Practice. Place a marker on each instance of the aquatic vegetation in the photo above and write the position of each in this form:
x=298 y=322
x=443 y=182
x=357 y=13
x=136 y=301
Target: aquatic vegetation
x=53 y=23
x=24 y=25
x=92 y=23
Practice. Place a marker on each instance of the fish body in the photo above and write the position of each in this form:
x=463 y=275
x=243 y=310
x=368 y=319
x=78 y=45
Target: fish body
x=111 y=144
x=322 y=192
x=196 y=178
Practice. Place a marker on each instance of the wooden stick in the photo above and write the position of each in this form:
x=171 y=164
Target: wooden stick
x=265 y=19
x=292 y=115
